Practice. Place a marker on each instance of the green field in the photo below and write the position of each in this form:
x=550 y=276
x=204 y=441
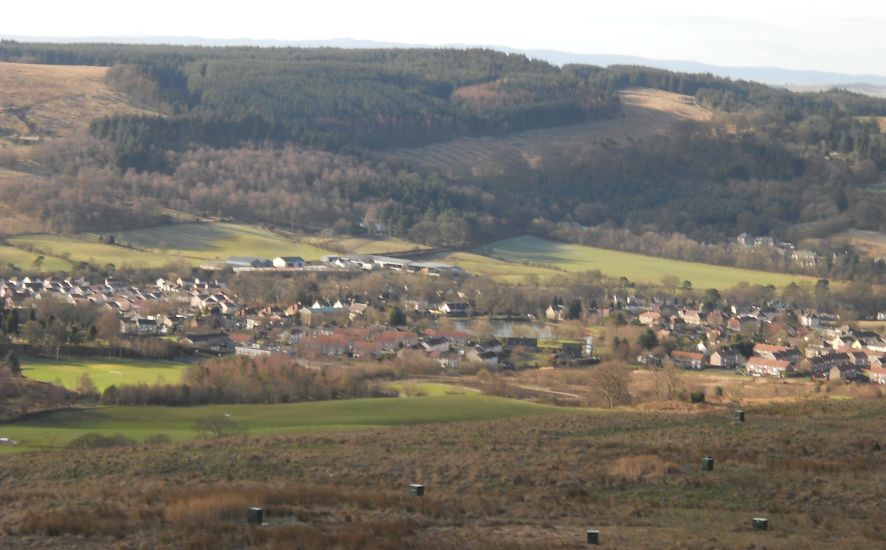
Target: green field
x=58 y=428
x=430 y=389
x=24 y=260
x=103 y=372
x=193 y=243
x=493 y=267
x=91 y=250
x=578 y=259
x=217 y=241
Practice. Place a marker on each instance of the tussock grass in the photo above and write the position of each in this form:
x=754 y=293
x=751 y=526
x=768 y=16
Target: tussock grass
x=641 y=466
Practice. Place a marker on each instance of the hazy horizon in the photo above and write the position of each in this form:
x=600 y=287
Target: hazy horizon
x=815 y=36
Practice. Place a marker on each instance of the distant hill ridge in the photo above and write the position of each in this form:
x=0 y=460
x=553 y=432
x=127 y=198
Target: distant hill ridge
x=776 y=76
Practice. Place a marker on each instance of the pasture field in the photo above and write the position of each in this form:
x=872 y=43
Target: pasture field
x=58 y=428
x=103 y=372
x=89 y=250
x=578 y=259
x=497 y=268
x=217 y=242
x=24 y=260
x=193 y=243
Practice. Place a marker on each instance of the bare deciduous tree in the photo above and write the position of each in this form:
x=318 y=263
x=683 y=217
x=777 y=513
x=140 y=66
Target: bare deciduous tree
x=610 y=380
x=217 y=425
x=668 y=381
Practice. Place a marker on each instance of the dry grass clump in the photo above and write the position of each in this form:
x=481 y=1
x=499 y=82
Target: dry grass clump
x=641 y=466
x=103 y=519
x=207 y=509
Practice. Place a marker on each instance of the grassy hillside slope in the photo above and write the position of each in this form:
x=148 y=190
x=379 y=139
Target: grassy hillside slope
x=24 y=260
x=47 y=101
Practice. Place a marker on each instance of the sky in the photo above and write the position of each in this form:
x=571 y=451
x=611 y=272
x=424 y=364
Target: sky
x=848 y=36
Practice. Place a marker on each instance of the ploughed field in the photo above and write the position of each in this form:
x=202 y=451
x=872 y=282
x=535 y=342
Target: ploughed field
x=813 y=469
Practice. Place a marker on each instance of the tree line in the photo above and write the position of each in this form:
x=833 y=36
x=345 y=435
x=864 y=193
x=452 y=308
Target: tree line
x=271 y=379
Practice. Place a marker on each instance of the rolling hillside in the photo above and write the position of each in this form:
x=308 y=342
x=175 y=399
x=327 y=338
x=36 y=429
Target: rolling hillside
x=40 y=102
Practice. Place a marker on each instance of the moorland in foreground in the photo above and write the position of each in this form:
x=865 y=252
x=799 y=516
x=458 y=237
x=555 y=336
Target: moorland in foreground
x=813 y=468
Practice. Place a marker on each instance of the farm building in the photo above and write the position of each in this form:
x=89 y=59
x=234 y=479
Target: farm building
x=248 y=261
x=288 y=261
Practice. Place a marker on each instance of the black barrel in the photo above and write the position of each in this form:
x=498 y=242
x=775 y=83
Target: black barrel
x=417 y=489
x=593 y=537
x=255 y=515
x=707 y=464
